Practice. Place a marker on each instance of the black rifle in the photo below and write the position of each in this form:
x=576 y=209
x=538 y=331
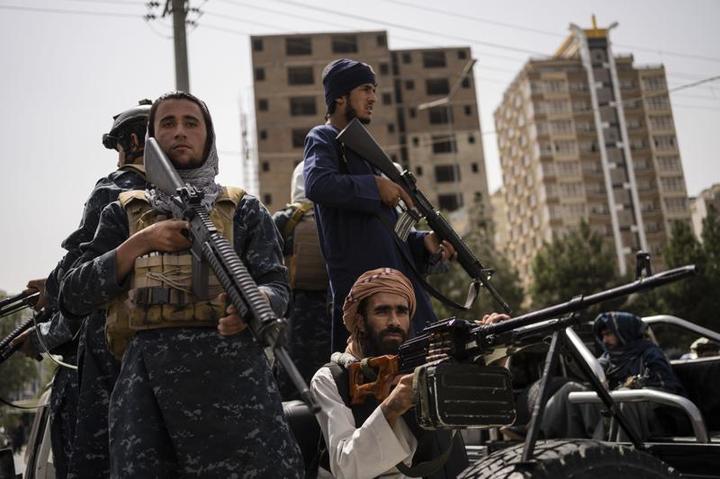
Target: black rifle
x=5 y=349
x=356 y=137
x=209 y=247
x=18 y=302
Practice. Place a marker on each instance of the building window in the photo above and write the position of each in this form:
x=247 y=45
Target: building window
x=471 y=139
x=384 y=69
x=257 y=44
x=391 y=128
x=468 y=110
x=466 y=82
x=447 y=173
x=267 y=199
x=443 y=144
x=434 y=59
x=262 y=104
x=462 y=54
x=298 y=46
x=259 y=74
x=474 y=167
x=450 y=202
x=415 y=141
x=265 y=166
x=300 y=76
x=439 y=115
x=386 y=98
x=263 y=134
x=302 y=106
x=654 y=83
x=411 y=112
x=298 y=137
x=409 y=85
x=344 y=44
x=437 y=86
x=665 y=142
x=418 y=171
x=381 y=40
x=406 y=58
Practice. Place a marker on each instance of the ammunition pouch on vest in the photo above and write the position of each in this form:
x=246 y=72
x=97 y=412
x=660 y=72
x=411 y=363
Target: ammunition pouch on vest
x=306 y=265
x=160 y=294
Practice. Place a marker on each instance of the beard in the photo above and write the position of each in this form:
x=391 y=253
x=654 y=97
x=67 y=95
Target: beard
x=378 y=344
x=350 y=113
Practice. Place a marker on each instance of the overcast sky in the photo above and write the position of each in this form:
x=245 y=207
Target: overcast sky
x=65 y=72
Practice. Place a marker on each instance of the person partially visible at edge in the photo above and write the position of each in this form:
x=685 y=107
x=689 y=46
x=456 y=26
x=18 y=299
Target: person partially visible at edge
x=369 y=440
x=308 y=329
x=79 y=407
x=630 y=361
x=195 y=395
x=354 y=205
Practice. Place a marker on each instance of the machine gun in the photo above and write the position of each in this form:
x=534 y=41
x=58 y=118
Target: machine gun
x=463 y=391
x=6 y=350
x=210 y=248
x=356 y=137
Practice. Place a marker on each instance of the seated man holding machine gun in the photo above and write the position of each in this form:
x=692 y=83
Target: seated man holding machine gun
x=380 y=438
x=195 y=396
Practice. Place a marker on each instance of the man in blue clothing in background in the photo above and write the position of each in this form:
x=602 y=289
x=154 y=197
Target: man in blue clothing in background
x=354 y=205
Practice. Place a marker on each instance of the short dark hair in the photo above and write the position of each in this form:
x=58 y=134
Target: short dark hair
x=333 y=106
x=181 y=95
x=124 y=135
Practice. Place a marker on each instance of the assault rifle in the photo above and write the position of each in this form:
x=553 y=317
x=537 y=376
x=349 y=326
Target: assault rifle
x=356 y=137
x=6 y=350
x=210 y=248
x=463 y=391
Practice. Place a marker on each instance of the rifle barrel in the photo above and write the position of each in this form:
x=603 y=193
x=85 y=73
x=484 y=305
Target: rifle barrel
x=17 y=302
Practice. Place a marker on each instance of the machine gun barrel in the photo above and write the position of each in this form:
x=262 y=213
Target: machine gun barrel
x=17 y=302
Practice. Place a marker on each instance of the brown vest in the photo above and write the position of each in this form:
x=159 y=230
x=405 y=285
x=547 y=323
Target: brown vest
x=160 y=294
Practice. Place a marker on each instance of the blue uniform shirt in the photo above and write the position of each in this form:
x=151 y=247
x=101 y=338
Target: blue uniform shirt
x=353 y=237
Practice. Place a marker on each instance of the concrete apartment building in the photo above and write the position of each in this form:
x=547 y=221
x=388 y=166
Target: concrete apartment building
x=441 y=144
x=588 y=135
x=700 y=206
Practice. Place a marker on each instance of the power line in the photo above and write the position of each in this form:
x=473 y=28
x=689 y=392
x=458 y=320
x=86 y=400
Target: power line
x=410 y=28
x=69 y=12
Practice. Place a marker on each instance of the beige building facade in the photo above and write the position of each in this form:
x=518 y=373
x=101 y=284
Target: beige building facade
x=587 y=135
x=441 y=145
x=707 y=202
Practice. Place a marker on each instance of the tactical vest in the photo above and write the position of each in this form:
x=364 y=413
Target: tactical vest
x=306 y=264
x=160 y=294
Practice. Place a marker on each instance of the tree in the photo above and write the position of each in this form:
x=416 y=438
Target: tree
x=454 y=284
x=579 y=262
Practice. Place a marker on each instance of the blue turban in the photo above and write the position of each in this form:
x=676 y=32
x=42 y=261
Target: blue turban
x=343 y=75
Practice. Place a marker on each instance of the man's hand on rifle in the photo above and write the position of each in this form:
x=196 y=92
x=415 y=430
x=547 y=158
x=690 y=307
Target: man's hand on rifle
x=400 y=400
x=25 y=345
x=493 y=318
x=391 y=193
x=232 y=323
x=39 y=286
x=442 y=250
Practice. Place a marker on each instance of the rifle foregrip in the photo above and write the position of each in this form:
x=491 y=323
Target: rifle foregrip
x=5 y=349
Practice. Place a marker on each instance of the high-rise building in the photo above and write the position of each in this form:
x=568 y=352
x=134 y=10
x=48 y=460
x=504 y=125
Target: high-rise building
x=587 y=135
x=426 y=115
x=707 y=202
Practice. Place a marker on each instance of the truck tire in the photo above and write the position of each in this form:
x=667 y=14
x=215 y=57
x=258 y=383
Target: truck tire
x=571 y=459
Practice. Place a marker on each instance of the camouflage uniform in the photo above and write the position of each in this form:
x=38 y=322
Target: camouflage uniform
x=190 y=402
x=58 y=335
x=308 y=331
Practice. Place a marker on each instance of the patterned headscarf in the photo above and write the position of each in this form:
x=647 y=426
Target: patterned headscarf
x=202 y=177
x=381 y=280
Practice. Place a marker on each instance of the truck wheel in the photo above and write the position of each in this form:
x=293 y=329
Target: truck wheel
x=571 y=459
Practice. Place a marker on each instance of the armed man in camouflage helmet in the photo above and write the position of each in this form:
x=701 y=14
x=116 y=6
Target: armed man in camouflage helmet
x=79 y=427
x=308 y=332
x=195 y=396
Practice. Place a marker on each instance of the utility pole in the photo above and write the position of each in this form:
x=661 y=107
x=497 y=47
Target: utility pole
x=179 y=13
